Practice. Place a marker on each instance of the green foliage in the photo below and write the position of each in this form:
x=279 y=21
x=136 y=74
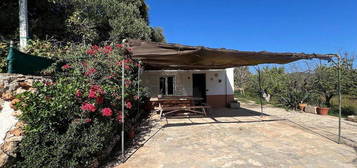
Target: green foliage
x=81 y=20
x=318 y=87
x=349 y=105
x=70 y=122
x=45 y=19
x=298 y=90
x=273 y=81
x=157 y=35
x=326 y=80
x=4 y=49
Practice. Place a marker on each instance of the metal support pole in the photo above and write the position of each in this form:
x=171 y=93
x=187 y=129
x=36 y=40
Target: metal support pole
x=23 y=20
x=260 y=92
x=139 y=70
x=122 y=109
x=339 y=98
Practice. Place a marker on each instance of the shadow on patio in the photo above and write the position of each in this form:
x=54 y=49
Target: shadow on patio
x=221 y=116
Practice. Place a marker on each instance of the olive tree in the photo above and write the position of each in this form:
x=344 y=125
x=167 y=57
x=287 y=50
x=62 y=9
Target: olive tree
x=326 y=80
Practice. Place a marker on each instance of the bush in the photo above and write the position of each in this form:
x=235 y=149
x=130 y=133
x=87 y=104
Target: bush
x=349 y=105
x=71 y=121
x=4 y=47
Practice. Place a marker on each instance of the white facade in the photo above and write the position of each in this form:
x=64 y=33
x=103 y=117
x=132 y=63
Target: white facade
x=218 y=82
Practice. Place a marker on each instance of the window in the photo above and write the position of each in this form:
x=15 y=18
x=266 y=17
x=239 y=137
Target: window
x=167 y=85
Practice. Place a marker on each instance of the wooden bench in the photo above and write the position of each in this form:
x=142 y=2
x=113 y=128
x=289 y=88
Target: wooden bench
x=193 y=109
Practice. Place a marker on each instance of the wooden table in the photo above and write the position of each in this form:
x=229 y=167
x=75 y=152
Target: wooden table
x=169 y=105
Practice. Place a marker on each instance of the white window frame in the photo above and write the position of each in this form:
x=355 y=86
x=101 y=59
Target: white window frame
x=166 y=85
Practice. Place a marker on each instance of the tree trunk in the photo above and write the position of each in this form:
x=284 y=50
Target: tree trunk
x=327 y=100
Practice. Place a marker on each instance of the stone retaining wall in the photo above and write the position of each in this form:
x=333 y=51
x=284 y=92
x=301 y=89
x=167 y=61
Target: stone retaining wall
x=11 y=130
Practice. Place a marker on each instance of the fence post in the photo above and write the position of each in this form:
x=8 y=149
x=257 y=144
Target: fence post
x=339 y=98
x=122 y=109
x=260 y=92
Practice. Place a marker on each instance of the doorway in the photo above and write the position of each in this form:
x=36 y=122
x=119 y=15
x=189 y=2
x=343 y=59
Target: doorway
x=199 y=86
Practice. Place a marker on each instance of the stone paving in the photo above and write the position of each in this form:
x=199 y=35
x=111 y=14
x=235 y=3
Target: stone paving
x=240 y=138
x=326 y=126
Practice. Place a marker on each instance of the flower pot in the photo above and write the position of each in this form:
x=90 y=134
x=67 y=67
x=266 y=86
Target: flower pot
x=322 y=110
x=302 y=107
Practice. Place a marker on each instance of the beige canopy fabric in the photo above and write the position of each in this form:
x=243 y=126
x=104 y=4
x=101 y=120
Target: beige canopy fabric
x=176 y=56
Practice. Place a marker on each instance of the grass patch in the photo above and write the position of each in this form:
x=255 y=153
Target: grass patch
x=246 y=98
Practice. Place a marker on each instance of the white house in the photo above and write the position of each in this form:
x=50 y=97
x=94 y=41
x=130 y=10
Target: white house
x=214 y=86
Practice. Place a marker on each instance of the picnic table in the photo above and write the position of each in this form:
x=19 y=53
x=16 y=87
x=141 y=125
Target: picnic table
x=175 y=104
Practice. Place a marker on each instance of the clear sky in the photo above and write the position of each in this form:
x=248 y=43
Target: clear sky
x=310 y=26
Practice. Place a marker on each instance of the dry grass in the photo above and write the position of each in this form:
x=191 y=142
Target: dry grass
x=349 y=105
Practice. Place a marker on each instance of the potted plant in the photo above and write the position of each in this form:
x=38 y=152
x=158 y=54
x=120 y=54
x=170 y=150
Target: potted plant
x=322 y=109
x=302 y=106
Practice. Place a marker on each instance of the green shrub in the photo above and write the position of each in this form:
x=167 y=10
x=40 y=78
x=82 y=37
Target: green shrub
x=71 y=121
x=4 y=49
x=349 y=105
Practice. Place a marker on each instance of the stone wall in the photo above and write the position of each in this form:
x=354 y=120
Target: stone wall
x=11 y=130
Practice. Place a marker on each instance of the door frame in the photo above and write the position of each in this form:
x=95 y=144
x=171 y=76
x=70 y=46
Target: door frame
x=205 y=87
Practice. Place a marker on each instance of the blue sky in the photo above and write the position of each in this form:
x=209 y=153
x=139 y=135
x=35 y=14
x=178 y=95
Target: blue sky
x=310 y=26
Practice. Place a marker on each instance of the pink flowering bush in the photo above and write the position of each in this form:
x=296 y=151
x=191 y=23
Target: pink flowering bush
x=71 y=121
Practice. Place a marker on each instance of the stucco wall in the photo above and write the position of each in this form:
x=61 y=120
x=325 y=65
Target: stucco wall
x=218 y=82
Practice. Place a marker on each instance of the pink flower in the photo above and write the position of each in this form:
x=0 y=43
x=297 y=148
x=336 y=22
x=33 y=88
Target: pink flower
x=78 y=93
x=107 y=112
x=119 y=45
x=87 y=120
x=88 y=107
x=94 y=91
x=136 y=97
x=120 y=116
x=127 y=67
x=127 y=83
x=91 y=52
x=95 y=47
x=90 y=71
x=107 y=49
x=109 y=77
x=92 y=94
x=66 y=66
x=128 y=105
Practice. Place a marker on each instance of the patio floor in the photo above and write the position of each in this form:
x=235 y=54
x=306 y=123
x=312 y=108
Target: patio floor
x=241 y=138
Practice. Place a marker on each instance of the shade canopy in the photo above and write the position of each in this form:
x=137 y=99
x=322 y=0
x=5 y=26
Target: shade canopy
x=177 y=56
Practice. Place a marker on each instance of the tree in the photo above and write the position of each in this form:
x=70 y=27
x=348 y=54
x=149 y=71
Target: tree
x=272 y=80
x=157 y=34
x=242 y=76
x=82 y=20
x=326 y=80
x=298 y=90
